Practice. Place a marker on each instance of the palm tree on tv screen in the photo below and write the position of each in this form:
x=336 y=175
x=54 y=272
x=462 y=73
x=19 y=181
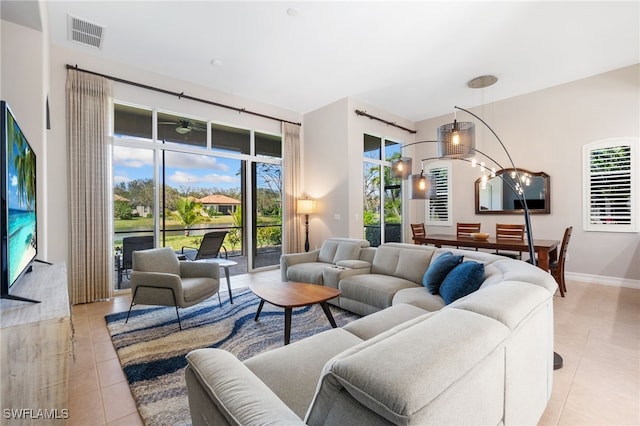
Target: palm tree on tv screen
x=24 y=162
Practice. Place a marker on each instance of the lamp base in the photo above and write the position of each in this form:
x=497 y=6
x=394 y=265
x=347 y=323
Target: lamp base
x=306 y=232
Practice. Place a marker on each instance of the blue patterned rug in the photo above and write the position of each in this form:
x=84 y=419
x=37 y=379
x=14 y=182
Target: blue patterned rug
x=152 y=348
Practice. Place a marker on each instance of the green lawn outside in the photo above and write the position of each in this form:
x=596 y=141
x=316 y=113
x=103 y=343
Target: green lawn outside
x=266 y=236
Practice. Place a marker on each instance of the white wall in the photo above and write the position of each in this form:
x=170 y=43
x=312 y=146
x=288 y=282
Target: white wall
x=24 y=86
x=332 y=164
x=545 y=131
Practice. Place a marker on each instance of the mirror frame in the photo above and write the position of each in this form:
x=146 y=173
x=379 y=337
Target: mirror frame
x=547 y=198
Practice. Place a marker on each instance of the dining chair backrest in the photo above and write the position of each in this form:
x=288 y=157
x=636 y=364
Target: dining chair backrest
x=417 y=229
x=557 y=268
x=466 y=229
x=506 y=231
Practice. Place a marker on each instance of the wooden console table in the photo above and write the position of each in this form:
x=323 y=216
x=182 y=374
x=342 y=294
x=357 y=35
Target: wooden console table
x=36 y=343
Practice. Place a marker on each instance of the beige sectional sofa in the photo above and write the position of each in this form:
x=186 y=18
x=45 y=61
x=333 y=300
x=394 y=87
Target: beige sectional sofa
x=486 y=358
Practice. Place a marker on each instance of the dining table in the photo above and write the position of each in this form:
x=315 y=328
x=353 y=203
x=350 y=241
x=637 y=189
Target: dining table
x=546 y=250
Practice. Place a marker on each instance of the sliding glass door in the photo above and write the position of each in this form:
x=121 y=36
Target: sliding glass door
x=192 y=178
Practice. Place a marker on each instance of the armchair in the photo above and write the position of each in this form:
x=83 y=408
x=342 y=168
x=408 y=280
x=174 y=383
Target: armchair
x=159 y=278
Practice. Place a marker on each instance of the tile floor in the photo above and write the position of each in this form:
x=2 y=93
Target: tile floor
x=597 y=333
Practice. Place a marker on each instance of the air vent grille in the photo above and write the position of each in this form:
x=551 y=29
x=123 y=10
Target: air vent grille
x=85 y=32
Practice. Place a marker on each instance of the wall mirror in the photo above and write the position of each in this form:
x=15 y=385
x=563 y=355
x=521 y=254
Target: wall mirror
x=496 y=197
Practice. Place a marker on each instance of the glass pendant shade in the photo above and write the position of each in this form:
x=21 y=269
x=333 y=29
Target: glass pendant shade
x=401 y=167
x=456 y=140
x=421 y=186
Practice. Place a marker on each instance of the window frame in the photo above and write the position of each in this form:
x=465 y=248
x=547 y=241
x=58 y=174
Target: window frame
x=634 y=179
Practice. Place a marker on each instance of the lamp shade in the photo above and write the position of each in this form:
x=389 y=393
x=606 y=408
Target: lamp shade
x=401 y=167
x=422 y=186
x=306 y=206
x=456 y=140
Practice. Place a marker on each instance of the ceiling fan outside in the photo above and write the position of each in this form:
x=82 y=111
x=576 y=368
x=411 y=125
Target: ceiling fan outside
x=184 y=126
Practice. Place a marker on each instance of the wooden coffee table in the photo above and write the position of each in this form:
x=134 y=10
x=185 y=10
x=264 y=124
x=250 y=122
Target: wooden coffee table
x=291 y=295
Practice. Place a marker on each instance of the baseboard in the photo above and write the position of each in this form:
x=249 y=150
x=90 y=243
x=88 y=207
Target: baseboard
x=599 y=279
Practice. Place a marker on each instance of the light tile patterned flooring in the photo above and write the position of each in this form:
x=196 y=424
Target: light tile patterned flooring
x=597 y=331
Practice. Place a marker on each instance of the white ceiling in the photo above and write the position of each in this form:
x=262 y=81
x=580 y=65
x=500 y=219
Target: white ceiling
x=409 y=58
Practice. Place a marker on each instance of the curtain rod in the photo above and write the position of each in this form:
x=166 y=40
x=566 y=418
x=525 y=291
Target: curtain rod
x=182 y=95
x=389 y=123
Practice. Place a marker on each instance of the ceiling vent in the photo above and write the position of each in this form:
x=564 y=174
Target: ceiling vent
x=85 y=32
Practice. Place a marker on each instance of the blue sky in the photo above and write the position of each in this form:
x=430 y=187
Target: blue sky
x=182 y=170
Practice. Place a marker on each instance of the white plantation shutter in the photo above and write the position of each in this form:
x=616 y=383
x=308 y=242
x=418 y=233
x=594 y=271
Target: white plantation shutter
x=439 y=208
x=610 y=186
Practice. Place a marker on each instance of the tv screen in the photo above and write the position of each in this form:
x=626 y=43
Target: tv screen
x=19 y=242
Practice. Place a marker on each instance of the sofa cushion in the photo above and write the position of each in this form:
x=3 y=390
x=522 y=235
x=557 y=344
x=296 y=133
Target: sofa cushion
x=381 y=321
x=420 y=297
x=307 y=272
x=408 y=261
x=372 y=289
x=402 y=386
x=294 y=377
x=438 y=270
x=346 y=251
x=464 y=279
x=327 y=251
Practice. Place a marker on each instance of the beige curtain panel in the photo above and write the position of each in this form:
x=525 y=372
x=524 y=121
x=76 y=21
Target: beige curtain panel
x=90 y=259
x=292 y=229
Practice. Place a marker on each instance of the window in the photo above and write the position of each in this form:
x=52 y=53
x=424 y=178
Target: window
x=610 y=181
x=439 y=208
x=382 y=203
x=188 y=176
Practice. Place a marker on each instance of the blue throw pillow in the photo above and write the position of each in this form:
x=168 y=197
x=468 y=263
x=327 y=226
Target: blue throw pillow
x=462 y=280
x=438 y=270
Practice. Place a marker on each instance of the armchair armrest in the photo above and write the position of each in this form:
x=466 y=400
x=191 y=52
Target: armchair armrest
x=149 y=282
x=221 y=388
x=200 y=269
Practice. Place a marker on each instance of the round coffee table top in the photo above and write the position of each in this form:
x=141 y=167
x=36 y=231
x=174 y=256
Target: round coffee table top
x=292 y=294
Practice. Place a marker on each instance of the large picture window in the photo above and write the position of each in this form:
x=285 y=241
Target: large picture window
x=610 y=180
x=189 y=176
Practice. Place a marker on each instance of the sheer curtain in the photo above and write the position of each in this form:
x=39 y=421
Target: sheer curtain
x=291 y=187
x=90 y=259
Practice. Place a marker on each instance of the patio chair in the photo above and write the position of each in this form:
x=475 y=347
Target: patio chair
x=129 y=245
x=210 y=247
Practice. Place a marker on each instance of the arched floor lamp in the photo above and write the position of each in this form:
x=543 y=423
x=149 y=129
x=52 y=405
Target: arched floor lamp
x=456 y=141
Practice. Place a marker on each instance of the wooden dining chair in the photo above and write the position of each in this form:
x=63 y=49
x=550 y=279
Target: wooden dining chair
x=466 y=229
x=557 y=267
x=509 y=232
x=417 y=229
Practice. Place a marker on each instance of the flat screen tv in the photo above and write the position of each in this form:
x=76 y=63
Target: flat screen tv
x=18 y=224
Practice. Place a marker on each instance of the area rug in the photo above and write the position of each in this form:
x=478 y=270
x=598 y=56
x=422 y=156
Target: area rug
x=152 y=348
